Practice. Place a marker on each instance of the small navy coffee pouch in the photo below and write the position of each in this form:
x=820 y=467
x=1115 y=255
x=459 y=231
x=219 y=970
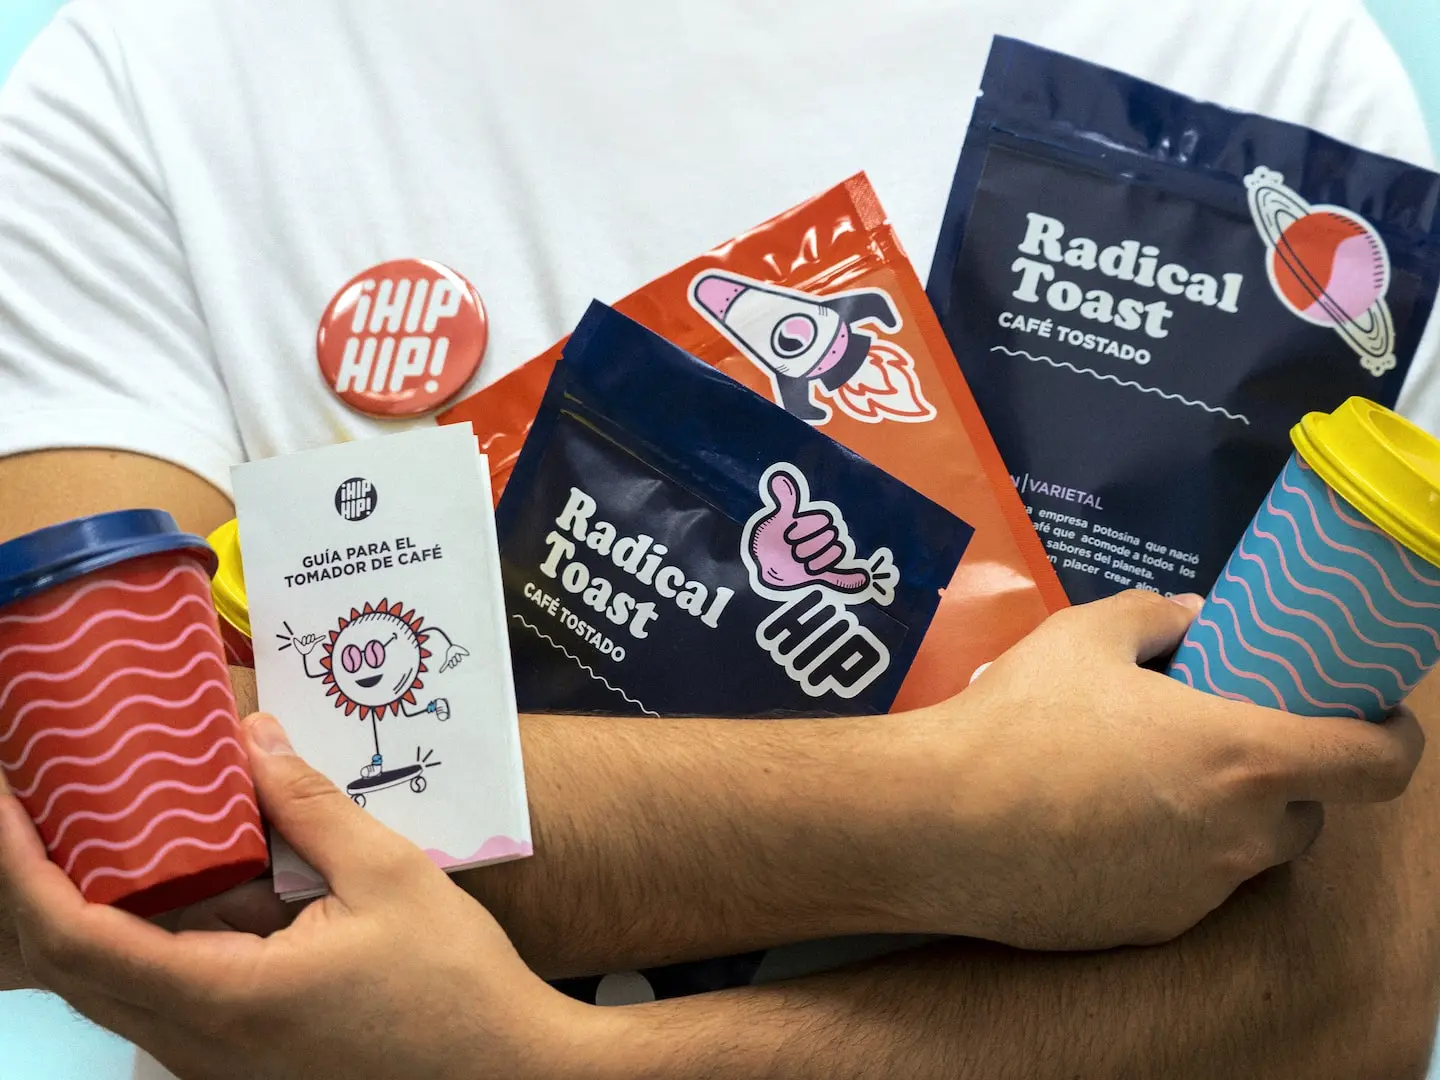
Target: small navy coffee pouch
x=674 y=544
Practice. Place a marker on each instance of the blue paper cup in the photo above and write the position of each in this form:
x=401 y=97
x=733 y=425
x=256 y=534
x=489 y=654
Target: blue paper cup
x=1318 y=611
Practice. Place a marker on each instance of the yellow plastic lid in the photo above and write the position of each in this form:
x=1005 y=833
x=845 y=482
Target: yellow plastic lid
x=1381 y=464
x=228 y=584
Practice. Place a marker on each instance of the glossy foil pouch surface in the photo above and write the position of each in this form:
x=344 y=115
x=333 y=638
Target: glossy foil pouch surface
x=1146 y=292
x=672 y=543
x=819 y=311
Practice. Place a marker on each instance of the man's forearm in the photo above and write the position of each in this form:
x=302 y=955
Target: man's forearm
x=1325 y=970
x=663 y=840
x=974 y=1012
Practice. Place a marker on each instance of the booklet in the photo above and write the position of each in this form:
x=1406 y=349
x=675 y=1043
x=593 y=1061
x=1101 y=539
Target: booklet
x=380 y=639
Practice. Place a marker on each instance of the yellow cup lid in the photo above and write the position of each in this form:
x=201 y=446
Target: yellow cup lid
x=228 y=584
x=1381 y=464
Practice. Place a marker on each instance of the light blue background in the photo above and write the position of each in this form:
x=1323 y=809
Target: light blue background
x=40 y=1039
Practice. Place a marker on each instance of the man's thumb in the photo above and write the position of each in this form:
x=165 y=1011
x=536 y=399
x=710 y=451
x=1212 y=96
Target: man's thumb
x=321 y=823
x=1139 y=625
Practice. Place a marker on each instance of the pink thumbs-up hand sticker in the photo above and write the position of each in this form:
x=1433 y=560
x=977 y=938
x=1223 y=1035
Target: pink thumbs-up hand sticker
x=794 y=542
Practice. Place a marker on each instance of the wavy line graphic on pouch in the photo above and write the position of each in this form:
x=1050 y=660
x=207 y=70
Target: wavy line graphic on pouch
x=1129 y=383
x=593 y=674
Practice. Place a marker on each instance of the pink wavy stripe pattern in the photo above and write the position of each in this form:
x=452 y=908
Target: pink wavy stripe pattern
x=1324 y=626
x=1322 y=594
x=164 y=853
x=141 y=729
x=114 y=750
x=1255 y=650
x=119 y=745
x=1309 y=650
x=1184 y=669
x=1209 y=680
x=1321 y=568
x=1366 y=526
x=1326 y=538
x=74 y=598
x=244 y=801
x=134 y=643
x=64 y=706
x=1237 y=672
x=159 y=755
x=104 y=616
x=1405 y=558
x=130 y=733
x=153 y=789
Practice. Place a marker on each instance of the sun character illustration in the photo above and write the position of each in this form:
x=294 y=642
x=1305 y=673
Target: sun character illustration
x=371 y=664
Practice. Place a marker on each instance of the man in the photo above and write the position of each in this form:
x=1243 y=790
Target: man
x=188 y=183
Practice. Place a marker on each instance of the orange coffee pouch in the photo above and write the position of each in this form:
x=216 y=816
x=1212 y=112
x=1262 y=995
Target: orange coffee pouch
x=819 y=310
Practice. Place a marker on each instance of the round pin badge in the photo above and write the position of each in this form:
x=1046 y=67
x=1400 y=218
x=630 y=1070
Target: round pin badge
x=402 y=338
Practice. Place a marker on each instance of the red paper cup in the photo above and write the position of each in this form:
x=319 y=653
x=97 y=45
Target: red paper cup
x=118 y=730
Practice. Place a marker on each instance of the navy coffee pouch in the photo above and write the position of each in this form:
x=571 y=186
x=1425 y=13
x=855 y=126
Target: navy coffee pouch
x=674 y=544
x=1146 y=292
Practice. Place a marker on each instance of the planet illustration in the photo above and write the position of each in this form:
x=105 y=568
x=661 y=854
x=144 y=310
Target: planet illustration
x=1328 y=266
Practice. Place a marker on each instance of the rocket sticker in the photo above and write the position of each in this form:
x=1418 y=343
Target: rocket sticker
x=815 y=348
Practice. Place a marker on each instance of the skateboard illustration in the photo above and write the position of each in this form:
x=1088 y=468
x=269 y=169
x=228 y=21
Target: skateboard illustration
x=371 y=664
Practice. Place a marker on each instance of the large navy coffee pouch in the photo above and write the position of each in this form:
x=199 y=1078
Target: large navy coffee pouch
x=674 y=544
x=1145 y=293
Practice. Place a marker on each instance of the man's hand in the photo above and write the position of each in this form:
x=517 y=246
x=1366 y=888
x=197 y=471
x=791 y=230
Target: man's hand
x=1097 y=803
x=395 y=973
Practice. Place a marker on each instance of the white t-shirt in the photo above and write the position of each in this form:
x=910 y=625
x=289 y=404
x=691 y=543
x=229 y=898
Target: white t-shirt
x=186 y=183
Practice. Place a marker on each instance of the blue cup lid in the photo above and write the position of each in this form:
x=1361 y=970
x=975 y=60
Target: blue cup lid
x=40 y=560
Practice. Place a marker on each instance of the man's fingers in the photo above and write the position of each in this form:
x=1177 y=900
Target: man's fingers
x=350 y=848
x=1338 y=759
x=252 y=908
x=1299 y=829
x=75 y=947
x=1136 y=625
